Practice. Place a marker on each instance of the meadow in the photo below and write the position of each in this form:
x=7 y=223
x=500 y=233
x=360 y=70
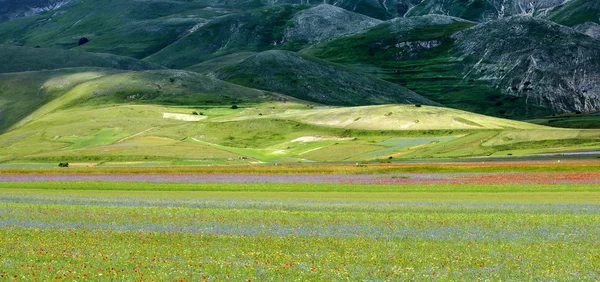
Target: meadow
x=297 y=225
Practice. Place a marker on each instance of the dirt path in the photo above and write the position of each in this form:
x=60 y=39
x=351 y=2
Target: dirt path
x=137 y=134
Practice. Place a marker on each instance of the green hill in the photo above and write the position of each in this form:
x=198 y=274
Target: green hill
x=19 y=59
x=23 y=93
x=28 y=95
x=276 y=131
x=316 y=80
x=402 y=117
x=161 y=117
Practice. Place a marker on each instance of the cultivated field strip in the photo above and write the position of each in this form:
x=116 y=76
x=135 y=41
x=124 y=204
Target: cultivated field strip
x=403 y=178
x=148 y=238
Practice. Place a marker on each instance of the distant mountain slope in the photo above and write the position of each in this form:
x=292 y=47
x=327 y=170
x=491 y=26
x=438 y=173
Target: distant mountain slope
x=122 y=27
x=576 y=12
x=286 y=27
x=589 y=28
x=11 y=9
x=18 y=59
x=315 y=80
x=482 y=69
x=475 y=10
x=325 y=22
x=483 y=10
x=520 y=57
x=253 y=31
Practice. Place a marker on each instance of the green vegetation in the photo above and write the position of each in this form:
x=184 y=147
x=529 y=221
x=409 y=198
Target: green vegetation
x=23 y=93
x=19 y=59
x=455 y=232
x=137 y=30
x=220 y=62
x=315 y=80
x=444 y=60
x=582 y=121
x=252 y=31
x=312 y=188
x=576 y=12
x=433 y=72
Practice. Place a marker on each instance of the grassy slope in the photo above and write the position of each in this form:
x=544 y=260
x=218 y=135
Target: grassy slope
x=215 y=64
x=589 y=120
x=19 y=59
x=252 y=31
x=23 y=93
x=95 y=115
x=316 y=80
x=434 y=73
x=128 y=133
x=576 y=12
x=130 y=28
x=401 y=117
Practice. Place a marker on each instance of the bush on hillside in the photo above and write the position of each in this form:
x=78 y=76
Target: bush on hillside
x=82 y=41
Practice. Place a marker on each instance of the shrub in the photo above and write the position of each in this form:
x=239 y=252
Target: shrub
x=82 y=41
x=234 y=107
x=418 y=105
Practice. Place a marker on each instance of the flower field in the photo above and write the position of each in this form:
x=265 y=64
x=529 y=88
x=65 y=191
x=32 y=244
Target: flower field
x=404 y=178
x=177 y=236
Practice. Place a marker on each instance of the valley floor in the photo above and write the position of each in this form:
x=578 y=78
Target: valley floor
x=469 y=221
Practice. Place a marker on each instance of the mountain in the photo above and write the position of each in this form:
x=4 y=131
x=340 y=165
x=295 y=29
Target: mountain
x=252 y=31
x=324 y=23
x=516 y=67
x=12 y=9
x=484 y=10
x=286 y=27
x=526 y=62
x=316 y=80
x=122 y=27
x=474 y=10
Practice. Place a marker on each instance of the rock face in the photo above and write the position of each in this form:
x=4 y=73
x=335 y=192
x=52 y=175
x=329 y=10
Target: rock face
x=11 y=9
x=589 y=28
x=548 y=64
x=326 y=22
x=316 y=80
x=482 y=11
x=475 y=10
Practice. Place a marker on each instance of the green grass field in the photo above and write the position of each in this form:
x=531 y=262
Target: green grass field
x=106 y=232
